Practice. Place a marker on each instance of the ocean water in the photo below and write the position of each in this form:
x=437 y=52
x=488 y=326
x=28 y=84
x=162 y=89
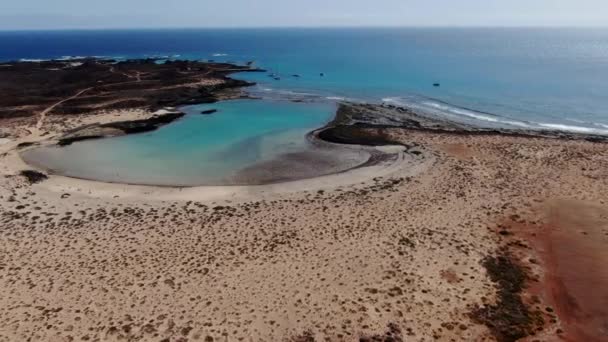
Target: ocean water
x=198 y=149
x=537 y=77
x=520 y=77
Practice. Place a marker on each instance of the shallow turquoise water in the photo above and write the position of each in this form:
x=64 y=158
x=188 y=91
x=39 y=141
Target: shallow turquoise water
x=195 y=150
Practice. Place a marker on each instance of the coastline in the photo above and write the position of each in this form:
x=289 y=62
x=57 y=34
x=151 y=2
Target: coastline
x=402 y=249
x=355 y=129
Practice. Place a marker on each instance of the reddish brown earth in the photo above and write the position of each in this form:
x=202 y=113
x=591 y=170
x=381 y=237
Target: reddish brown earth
x=576 y=253
x=571 y=240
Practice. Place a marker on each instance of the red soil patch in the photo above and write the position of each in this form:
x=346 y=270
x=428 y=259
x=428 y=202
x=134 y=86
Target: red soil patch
x=458 y=150
x=450 y=276
x=573 y=246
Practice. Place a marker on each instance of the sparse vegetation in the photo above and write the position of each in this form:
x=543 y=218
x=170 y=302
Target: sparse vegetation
x=509 y=319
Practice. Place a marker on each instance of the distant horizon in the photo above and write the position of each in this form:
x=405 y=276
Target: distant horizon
x=143 y=14
x=152 y=28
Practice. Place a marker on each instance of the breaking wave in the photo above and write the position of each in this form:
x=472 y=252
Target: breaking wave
x=440 y=108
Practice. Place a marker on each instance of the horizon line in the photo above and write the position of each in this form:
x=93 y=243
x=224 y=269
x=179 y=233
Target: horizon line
x=304 y=27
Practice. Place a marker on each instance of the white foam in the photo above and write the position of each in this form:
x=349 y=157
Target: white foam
x=577 y=129
x=596 y=124
x=220 y=54
x=447 y=110
x=336 y=98
x=69 y=58
x=290 y=92
x=461 y=112
x=600 y=125
x=576 y=120
x=33 y=60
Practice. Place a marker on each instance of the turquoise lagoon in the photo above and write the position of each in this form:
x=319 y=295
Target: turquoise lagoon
x=195 y=150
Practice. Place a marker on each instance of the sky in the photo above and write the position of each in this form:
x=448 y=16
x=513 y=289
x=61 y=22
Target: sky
x=86 y=14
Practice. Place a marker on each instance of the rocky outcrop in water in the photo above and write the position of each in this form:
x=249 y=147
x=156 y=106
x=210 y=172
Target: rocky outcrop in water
x=119 y=128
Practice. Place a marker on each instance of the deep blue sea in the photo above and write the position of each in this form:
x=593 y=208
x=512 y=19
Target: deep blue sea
x=544 y=78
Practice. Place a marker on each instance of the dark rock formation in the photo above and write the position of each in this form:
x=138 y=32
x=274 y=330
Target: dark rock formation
x=145 y=125
x=366 y=124
x=28 y=88
x=359 y=134
x=33 y=176
x=209 y=111
x=26 y=144
x=71 y=140
x=114 y=129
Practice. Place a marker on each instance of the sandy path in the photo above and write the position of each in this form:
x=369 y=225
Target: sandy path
x=43 y=114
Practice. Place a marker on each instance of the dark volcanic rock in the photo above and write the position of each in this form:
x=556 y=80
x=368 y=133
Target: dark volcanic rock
x=110 y=85
x=366 y=124
x=359 y=134
x=145 y=125
x=70 y=141
x=26 y=144
x=118 y=128
x=33 y=176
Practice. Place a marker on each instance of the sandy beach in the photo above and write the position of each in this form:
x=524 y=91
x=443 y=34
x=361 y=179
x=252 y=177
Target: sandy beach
x=462 y=240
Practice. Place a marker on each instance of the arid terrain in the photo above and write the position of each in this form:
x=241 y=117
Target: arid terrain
x=30 y=90
x=477 y=237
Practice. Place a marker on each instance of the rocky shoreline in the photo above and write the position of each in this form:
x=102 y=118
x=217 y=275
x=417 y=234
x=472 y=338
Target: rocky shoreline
x=353 y=124
x=149 y=84
x=366 y=124
x=119 y=128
